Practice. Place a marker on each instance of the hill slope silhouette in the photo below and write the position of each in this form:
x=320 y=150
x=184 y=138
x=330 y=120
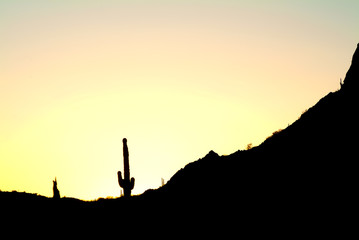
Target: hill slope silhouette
x=309 y=166
x=307 y=169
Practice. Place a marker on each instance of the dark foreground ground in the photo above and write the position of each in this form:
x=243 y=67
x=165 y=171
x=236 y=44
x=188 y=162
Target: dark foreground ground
x=301 y=179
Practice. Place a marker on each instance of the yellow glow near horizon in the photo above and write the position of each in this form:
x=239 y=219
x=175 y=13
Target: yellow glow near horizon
x=177 y=80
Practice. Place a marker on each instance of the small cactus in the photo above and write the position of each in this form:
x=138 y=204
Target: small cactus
x=55 y=190
x=125 y=182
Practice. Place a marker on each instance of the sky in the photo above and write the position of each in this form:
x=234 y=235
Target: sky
x=176 y=78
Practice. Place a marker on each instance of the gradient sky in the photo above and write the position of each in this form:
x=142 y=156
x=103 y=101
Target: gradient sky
x=176 y=78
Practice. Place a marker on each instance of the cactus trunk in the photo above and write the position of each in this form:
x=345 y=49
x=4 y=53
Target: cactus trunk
x=125 y=182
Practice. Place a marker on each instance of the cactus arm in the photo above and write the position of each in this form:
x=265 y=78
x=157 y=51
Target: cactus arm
x=132 y=183
x=120 y=179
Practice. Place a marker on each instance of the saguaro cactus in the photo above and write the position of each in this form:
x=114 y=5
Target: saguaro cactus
x=125 y=182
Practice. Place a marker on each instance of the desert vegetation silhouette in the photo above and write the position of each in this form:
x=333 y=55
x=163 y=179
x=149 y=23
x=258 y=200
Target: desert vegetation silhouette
x=55 y=190
x=305 y=171
x=125 y=182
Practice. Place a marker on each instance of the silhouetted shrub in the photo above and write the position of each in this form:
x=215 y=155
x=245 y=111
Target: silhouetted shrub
x=249 y=146
x=274 y=133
